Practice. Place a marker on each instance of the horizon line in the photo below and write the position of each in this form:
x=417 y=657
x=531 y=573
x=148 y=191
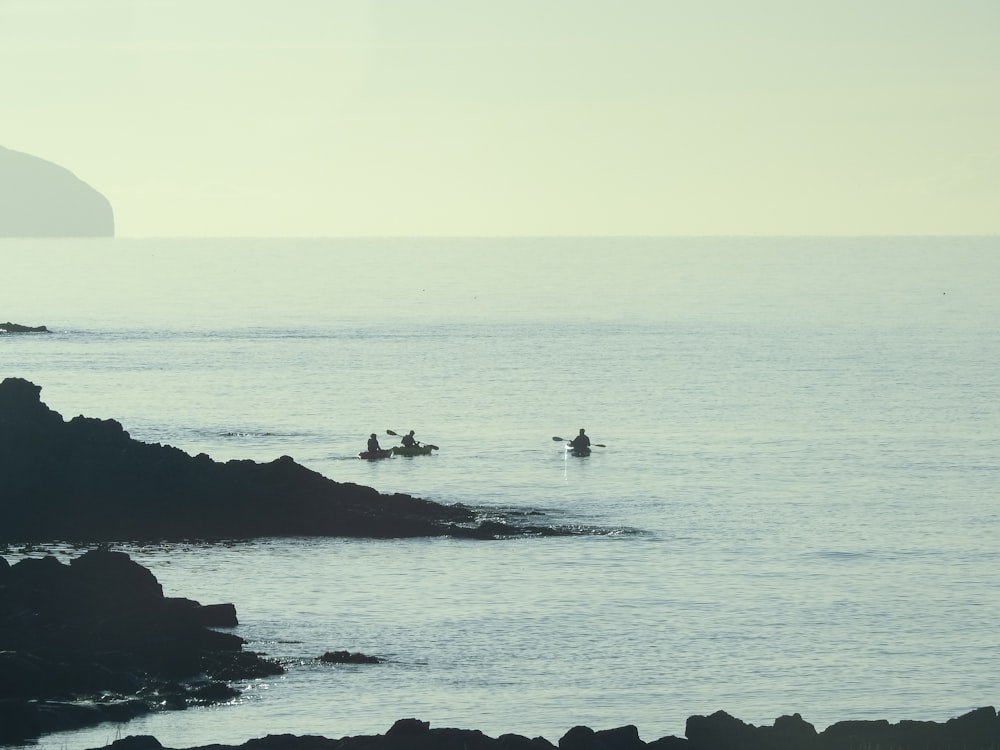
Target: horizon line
x=505 y=236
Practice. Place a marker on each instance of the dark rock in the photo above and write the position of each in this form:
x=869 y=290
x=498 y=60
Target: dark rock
x=137 y=742
x=457 y=739
x=9 y=327
x=791 y=733
x=88 y=480
x=108 y=578
x=620 y=738
x=99 y=630
x=413 y=734
x=976 y=730
x=408 y=728
x=17 y=720
x=857 y=733
x=346 y=657
x=668 y=743
x=979 y=727
x=720 y=730
x=207 y=615
x=217 y=615
x=213 y=692
x=290 y=742
x=42 y=199
x=520 y=742
x=585 y=738
x=580 y=738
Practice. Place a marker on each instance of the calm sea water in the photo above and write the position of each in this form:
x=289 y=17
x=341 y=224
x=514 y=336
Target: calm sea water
x=797 y=508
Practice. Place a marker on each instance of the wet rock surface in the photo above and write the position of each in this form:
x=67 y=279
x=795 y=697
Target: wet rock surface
x=348 y=657
x=96 y=640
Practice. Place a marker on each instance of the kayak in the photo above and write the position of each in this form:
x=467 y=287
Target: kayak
x=577 y=451
x=375 y=455
x=413 y=450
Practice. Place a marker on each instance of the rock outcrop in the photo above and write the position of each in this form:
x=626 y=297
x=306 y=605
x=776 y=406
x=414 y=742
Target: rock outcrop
x=977 y=730
x=87 y=480
x=9 y=327
x=42 y=199
x=348 y=657
x=96 y=640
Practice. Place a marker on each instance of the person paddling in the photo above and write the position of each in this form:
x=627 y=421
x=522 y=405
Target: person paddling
x=581 y=442
x=408 y=440
x=373 y=446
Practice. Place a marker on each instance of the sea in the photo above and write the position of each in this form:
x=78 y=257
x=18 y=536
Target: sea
x=794 y=506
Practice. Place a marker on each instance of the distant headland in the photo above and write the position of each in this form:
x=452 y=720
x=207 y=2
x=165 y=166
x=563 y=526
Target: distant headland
x=42 y=199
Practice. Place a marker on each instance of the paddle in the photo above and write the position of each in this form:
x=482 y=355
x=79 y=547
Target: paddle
x=396 y=434
x=592 y=445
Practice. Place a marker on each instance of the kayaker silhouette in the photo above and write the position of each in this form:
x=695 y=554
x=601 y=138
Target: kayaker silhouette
x=581 y=442
x=408 y=441
x=373 y=446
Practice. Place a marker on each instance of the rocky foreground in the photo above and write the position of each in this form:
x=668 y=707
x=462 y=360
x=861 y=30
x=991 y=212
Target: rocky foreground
x=977 y=730
x=87 y=480
x=96 y=640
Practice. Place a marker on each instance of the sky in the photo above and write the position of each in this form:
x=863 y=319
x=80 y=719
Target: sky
x=298 y=118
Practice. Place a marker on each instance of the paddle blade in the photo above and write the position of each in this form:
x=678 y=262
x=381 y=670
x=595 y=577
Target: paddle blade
x=558 y=439
x=390 y=432
x=432 y=447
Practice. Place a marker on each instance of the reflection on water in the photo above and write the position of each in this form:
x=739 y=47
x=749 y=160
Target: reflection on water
x=801 y=433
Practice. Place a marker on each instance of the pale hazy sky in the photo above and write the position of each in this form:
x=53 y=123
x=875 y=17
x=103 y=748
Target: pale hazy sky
x=514 y=117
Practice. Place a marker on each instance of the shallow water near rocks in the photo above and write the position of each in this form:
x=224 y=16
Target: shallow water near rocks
x=796 y=510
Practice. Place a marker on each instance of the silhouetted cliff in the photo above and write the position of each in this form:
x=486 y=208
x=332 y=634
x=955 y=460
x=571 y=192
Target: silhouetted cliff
x=42 y=199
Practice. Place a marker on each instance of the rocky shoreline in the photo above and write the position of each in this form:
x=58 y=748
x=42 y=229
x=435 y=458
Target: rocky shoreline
x=976 y=730
x=87 y=480
x=96 y=641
